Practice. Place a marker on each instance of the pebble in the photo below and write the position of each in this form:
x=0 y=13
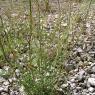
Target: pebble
x=6 y=68
x=79 y=50
x=91 y=82
x=80 y=76
x=93 y=69
x=72 y=80
x=64 y=85
x=2 y=79
x=17 y=71
x=6 y=83
x=91 y=89
x=1 y=89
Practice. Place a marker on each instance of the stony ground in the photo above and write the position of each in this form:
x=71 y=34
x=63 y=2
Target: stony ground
x=80 y=67
x=81 y=64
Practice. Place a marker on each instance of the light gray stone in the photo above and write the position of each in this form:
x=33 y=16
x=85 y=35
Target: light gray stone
x=91 y=89
x=91 y=82
x=6 y=83
x=80 y=76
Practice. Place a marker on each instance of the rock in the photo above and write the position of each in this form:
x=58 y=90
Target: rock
x=78 y=88
x=1 y=89
x=2 y=80
x=73 y=85
x=87 y=24
x=93 y=69
x=69 y=67
x=10 y=80
x=17 y=71
x=15 y=93
x=72 y=80
x=91 y=89
x=14 y=79
x=79 y=50
x=6 y=83
x=81 y=75
x=64 y=85
x=90 y=63
x=3 y=93
x=6 y=68
x=4 y=88
x=91 y=82
x=93 y=75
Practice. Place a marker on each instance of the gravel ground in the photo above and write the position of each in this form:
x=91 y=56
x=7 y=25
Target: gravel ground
x=80 y=66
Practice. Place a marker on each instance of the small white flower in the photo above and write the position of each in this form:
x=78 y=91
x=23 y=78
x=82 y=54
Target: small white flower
x=36 y=80
x=64 y=24
x=21 y=88
x=17 y=71
x=47 y=74
x=6 y=68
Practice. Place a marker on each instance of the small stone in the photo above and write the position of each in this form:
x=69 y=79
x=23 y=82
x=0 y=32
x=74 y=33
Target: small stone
x=91 y=89
x=10 y=80
x=64 y=24
x=17 y=71
x=90 y=63
x=6 y=83
x=3 y=93
x=14 y=79
x=2 y=79
x=76 y=70
x=72 y=80
x=93 y=75
x=93 y=69
x=87 y=25
x=79 y=50
x=5 y=88
x=81 y=75
x=78 y=88
x=73 y=85
x=6 y=68
x=69 y=67
x=59 y=89
x=91 y=82
x=14 y=93
x=1 y=89
x=64 y=85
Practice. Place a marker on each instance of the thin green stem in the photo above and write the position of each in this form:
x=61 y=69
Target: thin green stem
x=88 y=9
x=31 y=30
